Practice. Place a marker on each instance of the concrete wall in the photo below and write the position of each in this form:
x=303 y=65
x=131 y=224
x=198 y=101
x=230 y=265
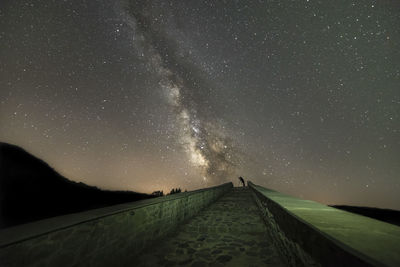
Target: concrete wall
x=307 y=233
x=109 y=236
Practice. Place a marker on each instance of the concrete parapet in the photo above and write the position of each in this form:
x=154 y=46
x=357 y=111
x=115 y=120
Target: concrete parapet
x=109 y=236
x=307 y=233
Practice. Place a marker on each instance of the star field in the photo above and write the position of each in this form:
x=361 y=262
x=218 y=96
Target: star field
x=299 y=96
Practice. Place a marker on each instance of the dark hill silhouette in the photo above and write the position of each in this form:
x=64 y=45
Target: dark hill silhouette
x=31 y=190
x=385 y=215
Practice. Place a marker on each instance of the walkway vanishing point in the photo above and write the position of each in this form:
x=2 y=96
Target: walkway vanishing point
x=217 y=226
x=230 y=232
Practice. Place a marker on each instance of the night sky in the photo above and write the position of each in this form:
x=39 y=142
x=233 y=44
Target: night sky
x=298 y=96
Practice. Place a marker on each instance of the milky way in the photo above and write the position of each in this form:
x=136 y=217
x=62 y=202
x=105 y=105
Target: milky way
x=298 y=96
x=204 y=141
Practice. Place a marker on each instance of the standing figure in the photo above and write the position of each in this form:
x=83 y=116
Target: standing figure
x=242 y=180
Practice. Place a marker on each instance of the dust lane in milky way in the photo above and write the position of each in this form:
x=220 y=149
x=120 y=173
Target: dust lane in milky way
x=302 y=97
x=208 y=148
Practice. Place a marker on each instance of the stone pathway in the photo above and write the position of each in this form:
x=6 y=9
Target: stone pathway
x=230 y=232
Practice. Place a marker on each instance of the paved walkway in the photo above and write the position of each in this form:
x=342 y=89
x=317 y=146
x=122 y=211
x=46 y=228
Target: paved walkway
x=230 y=232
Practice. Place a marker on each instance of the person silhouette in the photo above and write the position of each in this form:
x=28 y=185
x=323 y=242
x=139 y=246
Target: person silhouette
x=242 y=180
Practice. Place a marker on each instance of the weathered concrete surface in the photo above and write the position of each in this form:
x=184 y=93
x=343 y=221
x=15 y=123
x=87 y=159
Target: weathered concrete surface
x=110 y=236
x=331 y=236
x=230 y=232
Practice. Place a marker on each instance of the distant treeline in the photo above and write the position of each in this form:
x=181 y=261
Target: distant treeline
x=173 y=191
x=386 y=215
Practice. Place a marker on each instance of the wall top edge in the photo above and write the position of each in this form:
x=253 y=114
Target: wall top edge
x=376 y=241
x=11 y=235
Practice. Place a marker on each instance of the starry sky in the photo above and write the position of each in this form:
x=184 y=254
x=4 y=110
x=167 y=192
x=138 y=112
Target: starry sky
x=298 y=96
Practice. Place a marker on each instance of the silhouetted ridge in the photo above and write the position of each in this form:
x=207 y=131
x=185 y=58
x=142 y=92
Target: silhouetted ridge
x=31 y=190
x=385 y=215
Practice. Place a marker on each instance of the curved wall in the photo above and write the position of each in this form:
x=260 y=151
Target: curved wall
x=109 y=236
x=310 y=234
